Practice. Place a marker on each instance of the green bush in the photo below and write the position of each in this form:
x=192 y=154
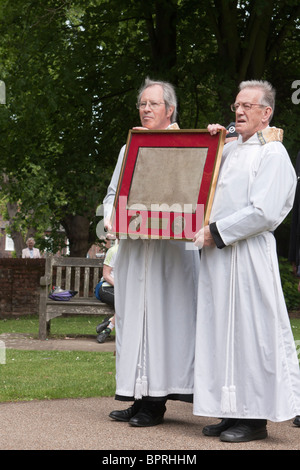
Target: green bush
x=289 y=285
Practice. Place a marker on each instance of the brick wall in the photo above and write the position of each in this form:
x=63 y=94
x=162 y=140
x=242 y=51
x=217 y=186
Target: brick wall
x=19 y=285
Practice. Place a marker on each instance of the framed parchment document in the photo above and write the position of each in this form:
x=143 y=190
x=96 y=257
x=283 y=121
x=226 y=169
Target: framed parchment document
x=167 y=183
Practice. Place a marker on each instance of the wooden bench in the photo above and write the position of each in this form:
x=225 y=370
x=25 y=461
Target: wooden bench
x=78 y=274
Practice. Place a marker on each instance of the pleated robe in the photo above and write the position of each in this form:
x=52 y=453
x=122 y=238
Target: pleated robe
x=156 y=285
x=246 y=364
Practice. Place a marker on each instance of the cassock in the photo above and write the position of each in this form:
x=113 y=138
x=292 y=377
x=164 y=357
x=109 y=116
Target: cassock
x=246 y=364
x=155 y=303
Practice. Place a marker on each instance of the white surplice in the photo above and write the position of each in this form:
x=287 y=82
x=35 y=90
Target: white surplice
x=155 y=302
x=246 y=364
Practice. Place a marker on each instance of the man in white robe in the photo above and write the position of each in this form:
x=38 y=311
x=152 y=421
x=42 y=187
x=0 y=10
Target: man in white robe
x=246 y=366
x=155 y=299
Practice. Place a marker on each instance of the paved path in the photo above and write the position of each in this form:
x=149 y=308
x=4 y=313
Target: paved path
x=83 y=424
x=27 y=342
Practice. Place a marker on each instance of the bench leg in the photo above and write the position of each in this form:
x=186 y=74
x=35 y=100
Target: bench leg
x=44 y=326
x=44 y=329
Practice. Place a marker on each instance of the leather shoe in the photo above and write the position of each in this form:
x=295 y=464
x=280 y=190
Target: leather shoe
x=296 y=421
x=150 y=414
x=102 y=326
x=245 y=430
x=126 y=415
x=216 y=429
x=104 y=335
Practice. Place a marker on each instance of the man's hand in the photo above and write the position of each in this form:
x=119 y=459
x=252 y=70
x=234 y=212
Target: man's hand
x=204 y=238
x=214 y=128
x=107 y=225
x=108 y=229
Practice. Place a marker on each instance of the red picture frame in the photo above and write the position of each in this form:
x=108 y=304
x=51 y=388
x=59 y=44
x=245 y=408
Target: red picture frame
x=167 y=183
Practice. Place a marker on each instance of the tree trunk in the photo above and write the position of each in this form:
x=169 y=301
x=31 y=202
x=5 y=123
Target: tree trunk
x=19 y=244
x=162 y=35
x=77 y=229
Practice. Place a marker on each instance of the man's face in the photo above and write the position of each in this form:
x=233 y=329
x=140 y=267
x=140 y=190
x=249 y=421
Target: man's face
x=155 y=117
x=248 y=122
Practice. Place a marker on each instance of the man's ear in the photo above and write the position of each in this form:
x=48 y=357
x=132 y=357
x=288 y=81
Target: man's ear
x=170 y=111
x=267 y=114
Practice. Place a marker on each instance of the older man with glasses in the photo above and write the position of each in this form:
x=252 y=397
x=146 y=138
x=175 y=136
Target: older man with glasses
x=155 y=299
x=246 y=365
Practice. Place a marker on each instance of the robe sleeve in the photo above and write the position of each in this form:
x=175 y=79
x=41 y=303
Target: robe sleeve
x=108 y=201
x=216 y=235
x=270 y=199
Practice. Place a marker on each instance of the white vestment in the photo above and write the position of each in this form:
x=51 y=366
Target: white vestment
x=246 y=364
x=155 y=303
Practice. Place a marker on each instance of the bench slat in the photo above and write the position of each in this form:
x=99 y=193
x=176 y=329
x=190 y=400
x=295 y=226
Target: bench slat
x=58 y=276
x=77 y=308
x=77 y=280
x=68 y=261
x=68 y=277
x=86 y=285
x=96 y=277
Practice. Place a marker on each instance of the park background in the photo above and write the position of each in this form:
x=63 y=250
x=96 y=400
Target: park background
x=72 y=70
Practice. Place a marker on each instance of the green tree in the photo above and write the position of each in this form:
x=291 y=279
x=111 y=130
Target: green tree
x=72 y=69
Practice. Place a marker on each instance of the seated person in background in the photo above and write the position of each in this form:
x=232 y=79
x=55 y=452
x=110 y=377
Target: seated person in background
x=106 y=293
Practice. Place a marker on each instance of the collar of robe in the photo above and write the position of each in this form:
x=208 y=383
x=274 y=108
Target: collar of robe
x=174 y=125
x=270 y=134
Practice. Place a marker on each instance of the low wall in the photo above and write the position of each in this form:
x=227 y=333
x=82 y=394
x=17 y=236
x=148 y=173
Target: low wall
x=19 y=286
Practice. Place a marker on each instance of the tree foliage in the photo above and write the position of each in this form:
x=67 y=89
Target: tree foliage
x=72 y=69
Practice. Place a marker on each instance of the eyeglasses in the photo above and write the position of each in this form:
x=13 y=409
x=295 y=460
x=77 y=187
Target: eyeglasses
x=245 y=106
x=152 y=104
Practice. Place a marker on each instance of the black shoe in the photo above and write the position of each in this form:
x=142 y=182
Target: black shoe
x=245 y=430
x=150 y=414
x=104 y=335
x=102 y=326
x=216 y=429
x=126 y=415
x=296 y=421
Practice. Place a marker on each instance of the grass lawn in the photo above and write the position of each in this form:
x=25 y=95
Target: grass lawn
x=37 y=375
x=60 y=326
x=295 y=323
x=77 y=325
